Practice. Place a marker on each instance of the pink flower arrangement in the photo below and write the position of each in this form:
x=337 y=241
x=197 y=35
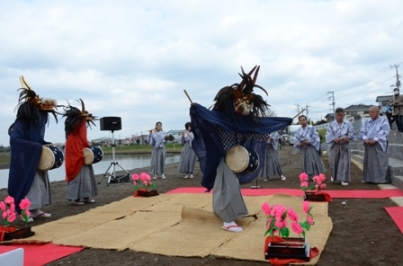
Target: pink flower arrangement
x=25 y=213
x=277 y=220
x=319 y=181
x=143 y=181
x=7 y=206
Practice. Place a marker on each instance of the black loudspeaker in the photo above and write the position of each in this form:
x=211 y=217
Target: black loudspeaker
x=121 y=179
x=111 y=123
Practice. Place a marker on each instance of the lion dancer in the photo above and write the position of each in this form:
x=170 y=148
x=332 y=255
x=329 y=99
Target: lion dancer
x=236 y=119
x=79 y=176
x=26 y=140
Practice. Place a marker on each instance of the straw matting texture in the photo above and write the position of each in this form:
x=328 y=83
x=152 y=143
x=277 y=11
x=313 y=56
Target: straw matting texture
x=177 y=225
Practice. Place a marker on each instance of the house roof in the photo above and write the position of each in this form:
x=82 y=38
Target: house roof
x=358 y=107
x=383 y=98
x=329 y=115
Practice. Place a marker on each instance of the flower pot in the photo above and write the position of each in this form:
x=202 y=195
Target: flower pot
x=291 y=248
x=314 y=196
x=15 y=232
x=146 y=193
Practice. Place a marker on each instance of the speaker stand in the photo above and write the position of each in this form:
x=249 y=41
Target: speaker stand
x=255 y=186
x=113 y=165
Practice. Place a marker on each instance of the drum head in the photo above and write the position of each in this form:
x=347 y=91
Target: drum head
x=47 y=159
x=88 y=156
x=237 y=159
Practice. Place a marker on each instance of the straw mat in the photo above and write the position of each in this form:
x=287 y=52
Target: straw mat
x=177 y=225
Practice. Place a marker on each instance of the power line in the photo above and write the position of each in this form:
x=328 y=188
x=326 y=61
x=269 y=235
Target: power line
x=364 y=81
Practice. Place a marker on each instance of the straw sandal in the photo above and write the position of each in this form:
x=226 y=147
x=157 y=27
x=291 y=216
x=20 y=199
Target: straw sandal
x=232 y=228
x=78 y=202
x=42 y=214
x=89 y=200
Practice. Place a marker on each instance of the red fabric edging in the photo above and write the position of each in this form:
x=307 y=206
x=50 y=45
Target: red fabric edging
x=341 y=194
x=396 y=213
x=40 y=254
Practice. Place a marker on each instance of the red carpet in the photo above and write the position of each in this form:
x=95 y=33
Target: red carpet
x=396 y=213
x=341 y=194
x=40 y=254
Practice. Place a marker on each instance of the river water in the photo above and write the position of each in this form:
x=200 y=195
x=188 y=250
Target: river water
x=126 y=161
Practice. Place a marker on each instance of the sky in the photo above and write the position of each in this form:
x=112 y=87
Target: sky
x=134 y=59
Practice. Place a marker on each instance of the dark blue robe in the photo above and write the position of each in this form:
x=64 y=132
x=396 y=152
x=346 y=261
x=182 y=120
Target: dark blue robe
x=209 y=127
x=26 y=148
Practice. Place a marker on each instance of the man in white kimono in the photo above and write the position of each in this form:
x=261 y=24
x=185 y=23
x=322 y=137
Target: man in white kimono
x=307 y=143
x=339 y=133
x=374 y=132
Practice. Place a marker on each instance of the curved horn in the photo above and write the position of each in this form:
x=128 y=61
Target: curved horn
x=24 y=84
x=255 y=77
x=82 y=105
x=250 y=73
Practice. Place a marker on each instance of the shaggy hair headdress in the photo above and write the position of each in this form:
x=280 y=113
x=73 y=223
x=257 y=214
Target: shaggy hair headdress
x=75 y=116
x=244 y=101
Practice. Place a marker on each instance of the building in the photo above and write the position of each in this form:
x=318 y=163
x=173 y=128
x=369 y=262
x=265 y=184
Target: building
x=176 y=134
x=383 y=102
x=356 y=111
x=329 y=117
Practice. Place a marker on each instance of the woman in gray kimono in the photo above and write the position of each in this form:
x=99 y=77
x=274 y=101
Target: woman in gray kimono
x=271 y=165
x=374 y=133
x=158 y=155
x=339 y=133
x=187 y=160
x=307 y=143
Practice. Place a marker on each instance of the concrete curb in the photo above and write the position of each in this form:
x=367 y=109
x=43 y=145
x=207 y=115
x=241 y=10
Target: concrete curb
x=397 y=200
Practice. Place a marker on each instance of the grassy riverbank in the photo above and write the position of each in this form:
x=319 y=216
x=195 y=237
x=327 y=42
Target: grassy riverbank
x=131 y=149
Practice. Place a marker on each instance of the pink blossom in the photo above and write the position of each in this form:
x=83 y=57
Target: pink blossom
x=4 y=215
x=315 y=179
x=2 y=206
x=9 y=200
x=321 y=178
x=316 y=187
x=279 y=210
x=322 y=186
x=296 y=227
x=12 y=208
x=305 y=206
x=135 y=177
x=145 y=182
x=11 y=217
x=292 y=215
x=281 y=224
x=303 y=177
x=309 y=220
x=145 y=176
x=304 y=184
x=266 y=208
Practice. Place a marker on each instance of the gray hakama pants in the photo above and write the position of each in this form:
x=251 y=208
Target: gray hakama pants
x=228 y=203
x=375 y=165
x=187 y=160
x=271 y=165
x=340 y=162
x=158 y=155
x=83 y=185
x=39 y=193
x=312 y=165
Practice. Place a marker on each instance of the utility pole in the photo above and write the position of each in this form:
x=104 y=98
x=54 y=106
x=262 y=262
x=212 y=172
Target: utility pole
x=397 y=85
x=333 y=103
x=306 y=109
x=297 y=107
